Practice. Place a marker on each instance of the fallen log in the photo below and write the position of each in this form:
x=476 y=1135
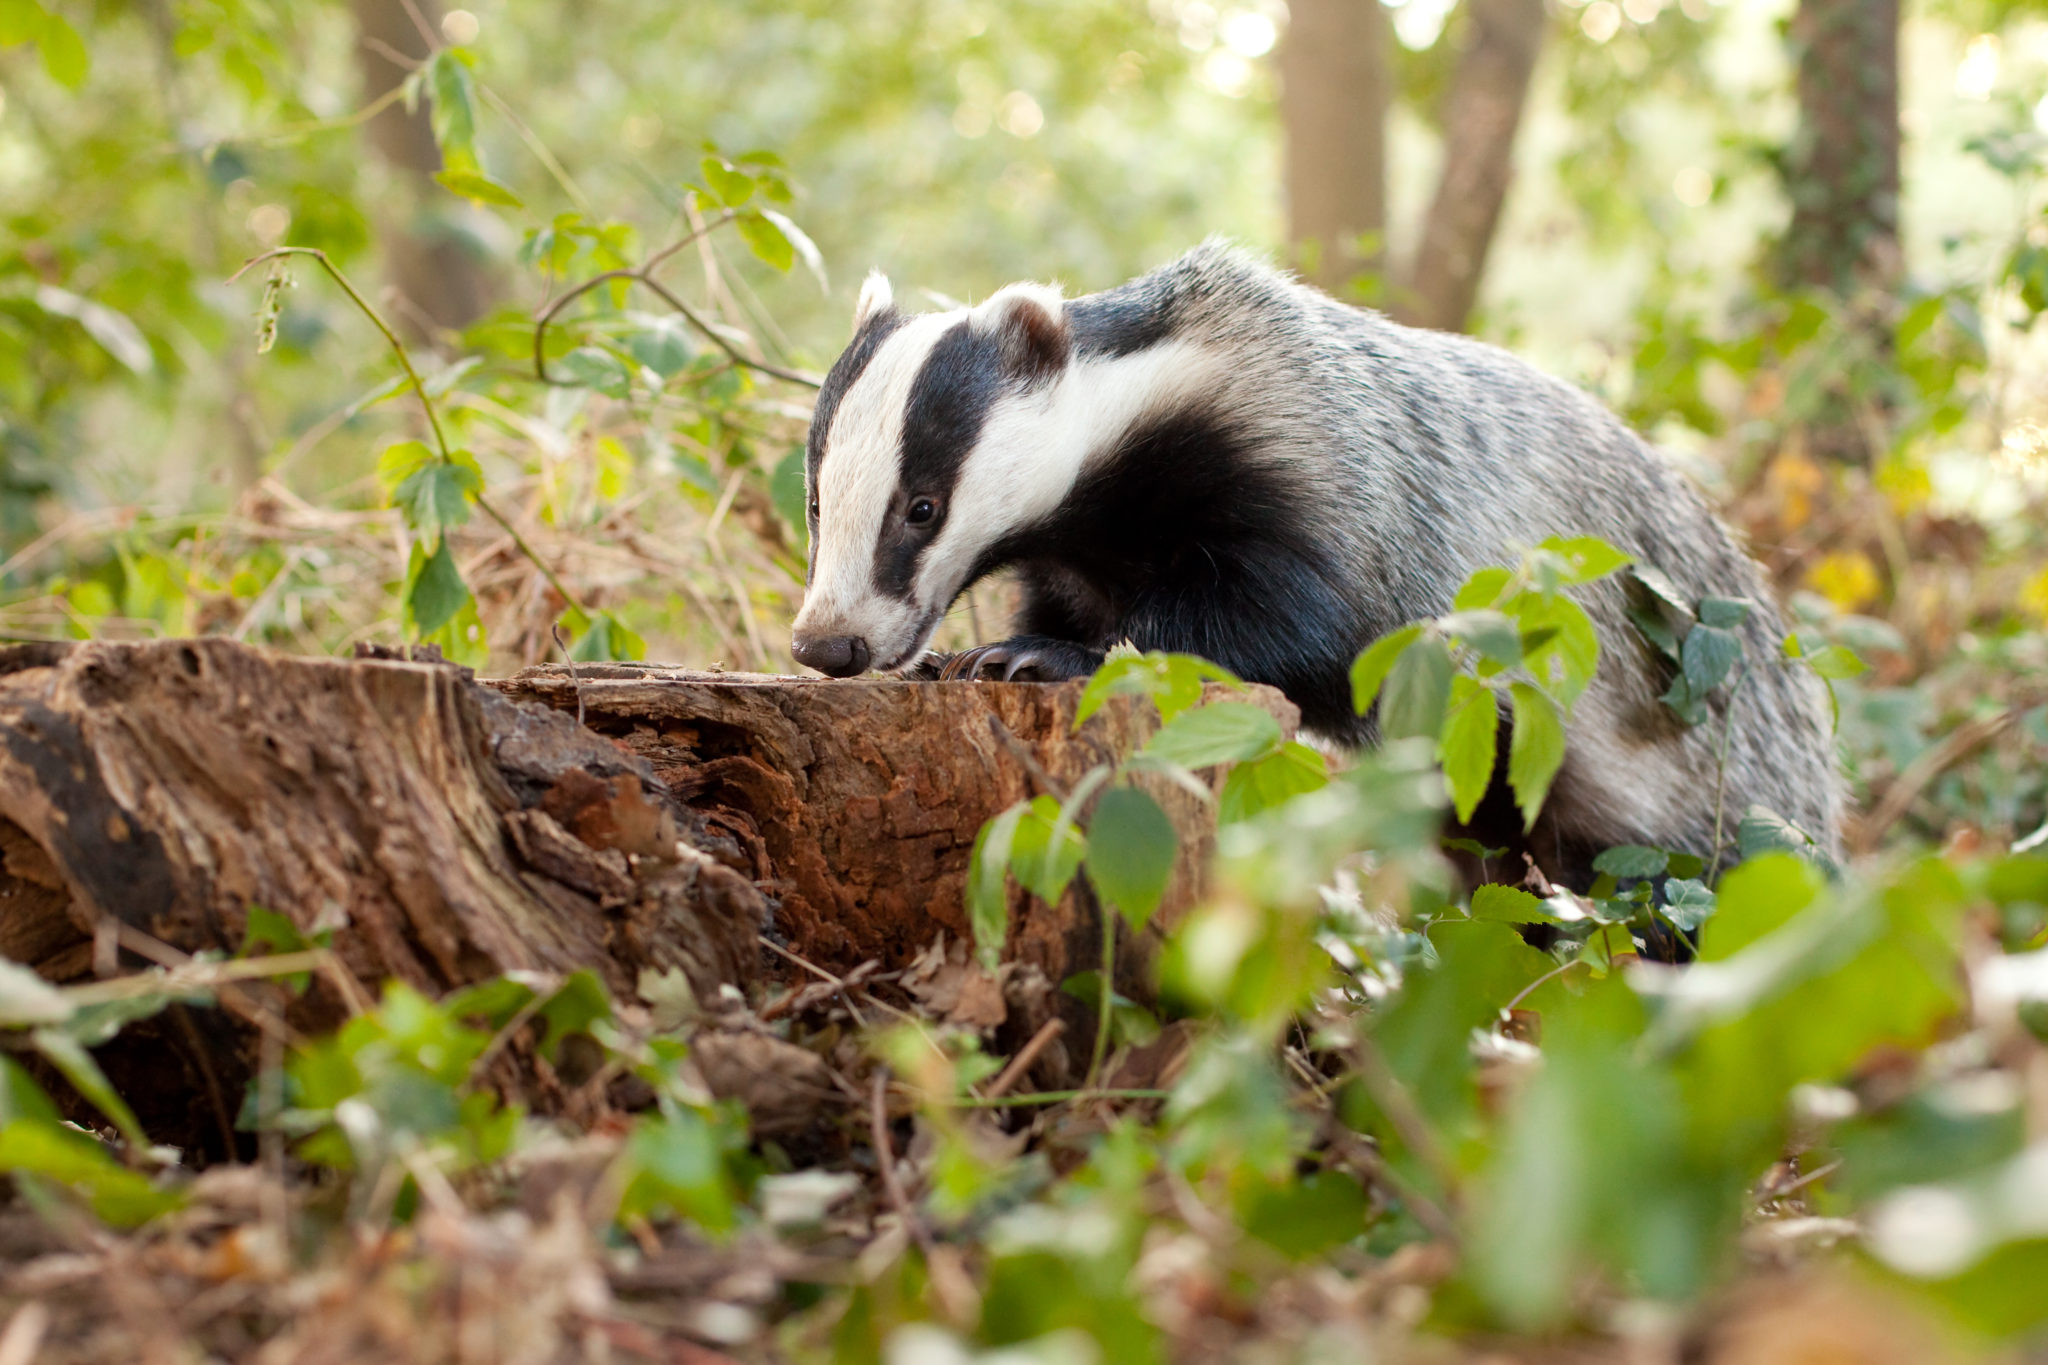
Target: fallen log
x=612 y=817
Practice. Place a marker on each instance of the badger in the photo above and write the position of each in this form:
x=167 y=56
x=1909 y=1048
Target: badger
x=1219 y=460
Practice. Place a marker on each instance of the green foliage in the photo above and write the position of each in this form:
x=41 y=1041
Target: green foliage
x=1514 y=643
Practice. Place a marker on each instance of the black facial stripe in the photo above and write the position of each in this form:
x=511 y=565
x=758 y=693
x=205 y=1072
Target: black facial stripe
x=852 y=362
x=1128 y=318
x=949 y=401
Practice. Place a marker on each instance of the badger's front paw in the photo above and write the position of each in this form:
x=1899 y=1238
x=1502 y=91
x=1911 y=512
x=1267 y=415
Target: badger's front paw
x=1027 y=658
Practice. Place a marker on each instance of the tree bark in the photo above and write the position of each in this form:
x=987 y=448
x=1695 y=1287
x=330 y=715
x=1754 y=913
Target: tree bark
x=1334 y=92
x=1483 y=110
x=436 y=276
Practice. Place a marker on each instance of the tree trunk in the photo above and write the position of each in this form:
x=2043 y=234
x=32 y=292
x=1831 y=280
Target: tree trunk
x=1842 y=175
x=438 y=280
x=1481 y=115
x=448 y=831
x=1334 y=92
x=1842 y=169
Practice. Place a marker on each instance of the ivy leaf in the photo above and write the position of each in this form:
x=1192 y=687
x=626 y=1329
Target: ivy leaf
x=1687 y=903
x=1417 y=688
x=1223 y=732
x=1723 y=613
x=1707 y=655
x=1372 y=666
x=477 y=187
x=1470 y=739
x=1632 y=861
x=1131 y=852
x=434 y=590
x=1535 y=749
x=765 y=239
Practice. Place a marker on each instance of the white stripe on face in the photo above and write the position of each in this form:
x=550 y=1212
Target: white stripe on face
x=857 y=484
x=1035 y=446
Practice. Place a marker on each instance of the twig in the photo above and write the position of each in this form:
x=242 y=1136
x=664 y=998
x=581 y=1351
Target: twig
x=1355 y=1151
x=574 y=679
x=846 y=991
x=1052 y=1097
x=643 y=274
x=1014 y=1070
x=885 y=1160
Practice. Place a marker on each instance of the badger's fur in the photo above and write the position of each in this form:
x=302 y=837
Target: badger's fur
x=1216 y=459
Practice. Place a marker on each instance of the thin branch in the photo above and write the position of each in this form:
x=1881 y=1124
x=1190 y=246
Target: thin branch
x=1399 y=1106
x=1013 y=1071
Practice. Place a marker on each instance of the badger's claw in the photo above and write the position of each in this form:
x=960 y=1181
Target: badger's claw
x=1024 y=659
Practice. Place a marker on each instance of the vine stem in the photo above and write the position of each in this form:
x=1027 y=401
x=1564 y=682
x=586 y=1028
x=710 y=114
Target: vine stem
x=1721 y=773
x=419 y=388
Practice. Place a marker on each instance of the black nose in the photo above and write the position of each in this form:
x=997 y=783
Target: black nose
x=838 y=656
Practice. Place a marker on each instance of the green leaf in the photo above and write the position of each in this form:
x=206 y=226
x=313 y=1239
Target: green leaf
x=814 y=259
x=434 y=590
x=1755 y=900
x=1046 y=850
x=764 y=237
x=595 y=368
x=1483 y=589
x=1631 y=861
x=1564 y=663
x=607 y=638
x=1131 y=851
x=786 y=492
x=454 y=108
x=1535 y=749
x=679 y=1165
x=1222 y=732
x=1307 y=1216
x=1707 y=655
x=1264 y=783
x=1586 y=557
x=1490 y=632
x=1836 y=662
x=664 y=346
x=732 y=185
x=118 y=1196
x=1509 y=904
x=1471 y=736
x=478 y=188
x=1373 y=665
x=399 y=462
x=26 y=999
x=64 y=52
x=988 y=900
x=1723 y=613
x=1687 y=903
x=1174 y=682
x=436 y=496
x=579 y=1002
x=1417 y=689
x=1765 y=831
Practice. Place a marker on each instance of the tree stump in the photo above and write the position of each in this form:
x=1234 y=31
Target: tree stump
x=449 y=831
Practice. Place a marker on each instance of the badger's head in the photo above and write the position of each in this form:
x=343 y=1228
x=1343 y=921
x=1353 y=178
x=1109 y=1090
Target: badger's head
x=936 y=437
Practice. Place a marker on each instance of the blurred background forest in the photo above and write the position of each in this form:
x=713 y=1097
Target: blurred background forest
x=1804 y=246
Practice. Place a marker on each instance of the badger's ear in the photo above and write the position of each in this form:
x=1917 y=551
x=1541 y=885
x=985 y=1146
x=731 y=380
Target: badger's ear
x=875 y=298
x=1029 y=323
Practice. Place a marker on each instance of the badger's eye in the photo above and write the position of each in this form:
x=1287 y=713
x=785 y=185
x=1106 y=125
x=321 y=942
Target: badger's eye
x=921 y=512
x=814 y=509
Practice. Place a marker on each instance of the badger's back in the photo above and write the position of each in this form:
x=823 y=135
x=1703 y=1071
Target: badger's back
x=1410 y=458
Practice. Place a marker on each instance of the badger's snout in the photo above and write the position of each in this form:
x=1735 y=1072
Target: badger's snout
x=837 y=656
